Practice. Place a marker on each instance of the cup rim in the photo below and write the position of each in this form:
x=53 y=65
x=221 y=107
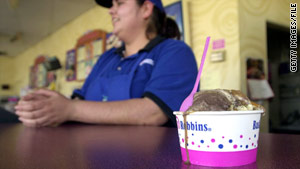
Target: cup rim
x=221 y=112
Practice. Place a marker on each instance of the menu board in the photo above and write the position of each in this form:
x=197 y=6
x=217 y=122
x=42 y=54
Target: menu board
x=88 y=50
x=97 y=47
x=39 y=75
x=80 y=70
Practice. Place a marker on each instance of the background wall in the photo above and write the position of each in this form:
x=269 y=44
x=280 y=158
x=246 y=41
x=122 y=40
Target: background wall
x=57 y=44
x=253 y=18
x=218 y=19
x=7 y=73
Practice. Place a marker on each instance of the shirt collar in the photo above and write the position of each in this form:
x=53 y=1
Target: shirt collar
x=147 y=48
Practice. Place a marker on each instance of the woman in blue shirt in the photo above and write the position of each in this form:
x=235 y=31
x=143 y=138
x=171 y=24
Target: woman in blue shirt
x=140 y=83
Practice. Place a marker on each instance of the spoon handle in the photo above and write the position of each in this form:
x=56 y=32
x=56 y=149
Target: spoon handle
x=201 y=65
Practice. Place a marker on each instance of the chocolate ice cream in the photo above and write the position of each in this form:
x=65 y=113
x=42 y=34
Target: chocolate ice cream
x=222 y=100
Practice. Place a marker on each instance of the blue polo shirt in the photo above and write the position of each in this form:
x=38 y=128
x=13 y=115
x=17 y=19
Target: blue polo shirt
x=166 y=75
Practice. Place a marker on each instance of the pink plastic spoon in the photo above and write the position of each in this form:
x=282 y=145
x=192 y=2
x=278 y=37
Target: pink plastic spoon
x=188 y=101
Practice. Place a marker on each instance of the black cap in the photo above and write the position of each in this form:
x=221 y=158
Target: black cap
x=108 y=4
x=104 y=3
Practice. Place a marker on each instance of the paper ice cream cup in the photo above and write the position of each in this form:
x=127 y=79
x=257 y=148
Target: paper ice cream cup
x=219 y=138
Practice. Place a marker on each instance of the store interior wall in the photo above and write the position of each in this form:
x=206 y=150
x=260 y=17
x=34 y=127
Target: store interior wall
x=253 y=18
x=218 y=19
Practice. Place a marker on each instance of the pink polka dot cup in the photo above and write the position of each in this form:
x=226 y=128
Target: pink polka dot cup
x=219 y=138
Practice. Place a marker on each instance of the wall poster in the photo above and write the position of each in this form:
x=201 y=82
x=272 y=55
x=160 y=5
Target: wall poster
x=175 y=12
x=88 y=49
x=71 y=65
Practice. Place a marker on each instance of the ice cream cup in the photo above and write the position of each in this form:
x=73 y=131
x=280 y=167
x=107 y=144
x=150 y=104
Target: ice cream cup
x=219 y=138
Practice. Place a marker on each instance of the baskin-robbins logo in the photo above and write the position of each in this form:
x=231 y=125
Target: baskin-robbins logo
x=256 y=125
x=194 y=126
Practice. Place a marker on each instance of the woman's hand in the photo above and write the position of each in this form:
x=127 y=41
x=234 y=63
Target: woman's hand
x=43 y=108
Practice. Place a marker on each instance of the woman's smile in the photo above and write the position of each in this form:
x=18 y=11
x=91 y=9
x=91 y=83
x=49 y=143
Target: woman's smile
x=114 y=20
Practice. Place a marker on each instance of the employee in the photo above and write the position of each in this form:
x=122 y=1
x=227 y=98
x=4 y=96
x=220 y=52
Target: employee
x=140 y=83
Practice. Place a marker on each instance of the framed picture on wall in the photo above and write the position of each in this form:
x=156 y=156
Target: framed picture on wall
x=174 y=11
x=71 y=65
x=112 y=41
x=255 y=69
x=258 y=86
x=88 y=49
x=38 y=73
x=32 y=77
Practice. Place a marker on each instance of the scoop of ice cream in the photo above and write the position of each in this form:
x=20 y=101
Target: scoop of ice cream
x=222 y=100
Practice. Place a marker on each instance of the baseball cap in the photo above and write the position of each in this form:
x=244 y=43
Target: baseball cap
x=108 y=4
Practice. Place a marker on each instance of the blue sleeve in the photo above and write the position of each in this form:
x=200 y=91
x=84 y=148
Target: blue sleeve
x=173 y=75
x=102 y=59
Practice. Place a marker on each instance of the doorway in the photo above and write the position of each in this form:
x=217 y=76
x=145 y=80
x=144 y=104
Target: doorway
x=284 y=108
